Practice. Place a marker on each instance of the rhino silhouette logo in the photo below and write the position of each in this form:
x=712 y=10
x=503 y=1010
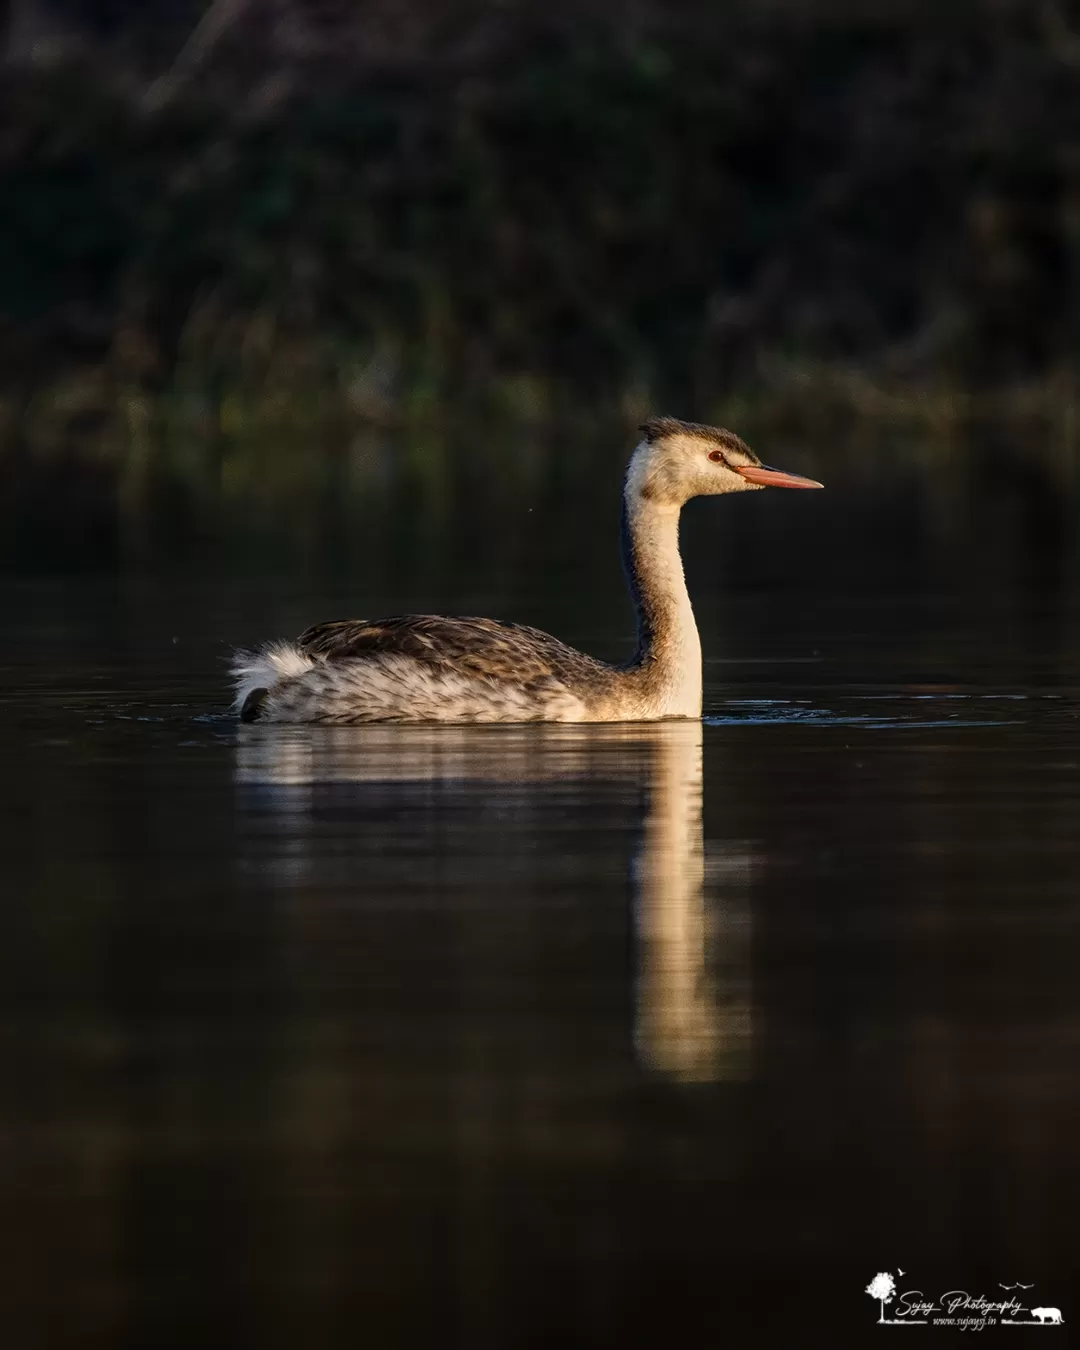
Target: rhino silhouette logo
x=1047 y=1315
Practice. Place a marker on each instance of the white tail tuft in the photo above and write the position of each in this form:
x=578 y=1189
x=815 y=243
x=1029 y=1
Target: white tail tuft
x=266 y=667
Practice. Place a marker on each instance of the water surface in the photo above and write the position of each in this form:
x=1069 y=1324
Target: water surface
x=537 y=1036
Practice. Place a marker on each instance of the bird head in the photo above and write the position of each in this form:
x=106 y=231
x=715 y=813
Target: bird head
x=678 y=460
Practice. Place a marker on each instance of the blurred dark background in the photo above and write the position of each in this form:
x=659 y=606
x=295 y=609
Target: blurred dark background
x=310 y=308
x=278 y=273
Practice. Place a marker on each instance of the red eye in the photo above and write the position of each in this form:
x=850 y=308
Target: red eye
x=717 y=456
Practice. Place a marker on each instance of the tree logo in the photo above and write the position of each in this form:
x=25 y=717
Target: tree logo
x=883 y=1288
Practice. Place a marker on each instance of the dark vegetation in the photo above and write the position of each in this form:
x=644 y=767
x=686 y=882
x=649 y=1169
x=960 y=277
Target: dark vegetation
x=257 y=218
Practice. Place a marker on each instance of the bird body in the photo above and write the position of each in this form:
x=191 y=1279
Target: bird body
x=425 y=667
x=421 y=668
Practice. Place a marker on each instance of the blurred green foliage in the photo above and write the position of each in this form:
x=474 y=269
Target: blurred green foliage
x=306 y=220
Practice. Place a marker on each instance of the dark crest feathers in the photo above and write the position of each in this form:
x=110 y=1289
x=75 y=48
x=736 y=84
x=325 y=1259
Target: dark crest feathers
x=654 y=428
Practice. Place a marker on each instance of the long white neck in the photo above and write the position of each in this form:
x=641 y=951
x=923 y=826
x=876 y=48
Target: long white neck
x=668 y=657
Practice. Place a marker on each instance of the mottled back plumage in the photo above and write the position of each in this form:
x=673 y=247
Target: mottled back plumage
x=491 y=649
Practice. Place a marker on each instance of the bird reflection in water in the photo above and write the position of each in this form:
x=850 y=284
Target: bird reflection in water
x=692 y=991
x=693 y=1010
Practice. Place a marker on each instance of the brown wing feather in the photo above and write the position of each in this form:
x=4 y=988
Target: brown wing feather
x=481 y=647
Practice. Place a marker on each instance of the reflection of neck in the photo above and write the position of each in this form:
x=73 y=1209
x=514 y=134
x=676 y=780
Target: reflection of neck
x=668 y=657
x=680 y=1030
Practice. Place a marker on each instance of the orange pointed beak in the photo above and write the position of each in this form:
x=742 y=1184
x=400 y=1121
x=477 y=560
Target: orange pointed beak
x=760 y=473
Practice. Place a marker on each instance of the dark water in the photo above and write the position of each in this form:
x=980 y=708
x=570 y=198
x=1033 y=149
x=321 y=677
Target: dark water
x=540 y=1037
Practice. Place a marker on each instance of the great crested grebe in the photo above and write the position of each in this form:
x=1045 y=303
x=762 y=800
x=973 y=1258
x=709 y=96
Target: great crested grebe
x=427 y=668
